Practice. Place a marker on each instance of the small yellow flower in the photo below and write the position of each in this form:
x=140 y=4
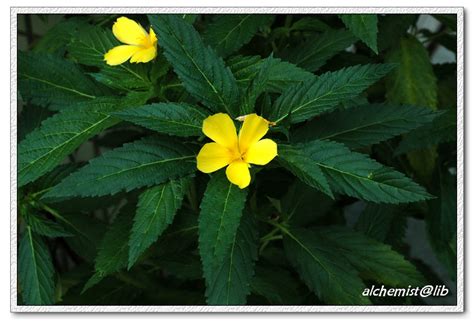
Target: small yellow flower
x=235 y=151
x=141 y=46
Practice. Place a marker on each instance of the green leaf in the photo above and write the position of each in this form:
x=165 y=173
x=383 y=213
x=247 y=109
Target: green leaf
x=113 y=251
x=219 y=219
x=323 y=93
x=156 y=209
x=276 y=285
x=374 y=260
x=441 y=223
x=35 y=270
x=358 y=127
x=302 y=166
x=392 y=28
x=57 y=137
x=364 y=27
x=89 y=46
x=228 y=33
x=404 y=86
x=280 y=75
x=58 y=37
x=43 y=226
x=203 y=73
x=256 y=87
x=175 y=119
x=42 y=81
x=149 y=161
x=359 y=176
x=31 y=118
x=230 y=283
x=414 y=65
x=442 y=130
x=324 y=271
x=314 y=53
x=87 y=233
x=376 y=220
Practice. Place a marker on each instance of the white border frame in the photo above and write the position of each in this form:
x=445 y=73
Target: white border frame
x=459 y=11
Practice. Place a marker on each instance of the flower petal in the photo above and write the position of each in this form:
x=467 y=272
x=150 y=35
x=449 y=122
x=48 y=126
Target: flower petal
x=144 y=55
x=221 y=129
x=262 y=152
x=238 y=173
x=120 y=54
x=153 y=37
x=253 y=129
x=130 y=32
x=213 y=157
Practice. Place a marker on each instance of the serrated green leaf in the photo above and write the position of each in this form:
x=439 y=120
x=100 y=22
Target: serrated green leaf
x=364 y=27
x=303 y=167
x=313 y=54
x=43 y=226
x=57 y=137
x=256 y=87
x=203 y=73
x=42 y=81
x=230 y=283
x=175 y=119
x=374 y=260
x=146 y=162
x=323 y=93
x=112 y=255
x=442 y=130
x=325 y=272
x=31 y=118
x=281 y=75
x=414 y=65
x=376 y=220
x=156 y=209
x=228 y=33
x=87 y=233
x=404 y=86
x=35 y=270
x=359 y=176
x=357 y=127
x=219 y=219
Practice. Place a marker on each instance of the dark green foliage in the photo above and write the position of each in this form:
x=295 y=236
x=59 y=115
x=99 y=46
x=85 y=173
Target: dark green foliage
x=202 y=72
x=227 y=33
x=314 y=53
x=364 y=27
x=361 y=126
x=145 y=162
x=112 y=209
x=41 y=80
x=35 y=270
x=323 y=93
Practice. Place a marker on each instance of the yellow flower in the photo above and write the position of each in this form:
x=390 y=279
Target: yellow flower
x=235 y=152
x=141 y=46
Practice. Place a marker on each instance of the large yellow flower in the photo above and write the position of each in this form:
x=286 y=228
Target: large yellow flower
x=141 y=46
x=235 y=152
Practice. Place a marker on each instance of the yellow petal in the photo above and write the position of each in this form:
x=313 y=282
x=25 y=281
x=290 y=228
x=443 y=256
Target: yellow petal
x=262 y=152
x=221 y=129
x=130 y=32
x=144 y=55
x=213 y=157
x=153 y=37
x=238 y=173
x=120 y=54
x=253 y=129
